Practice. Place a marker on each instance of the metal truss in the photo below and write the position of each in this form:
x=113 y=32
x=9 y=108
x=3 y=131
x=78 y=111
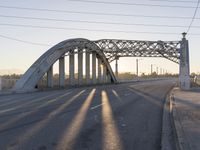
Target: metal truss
x=113 y=49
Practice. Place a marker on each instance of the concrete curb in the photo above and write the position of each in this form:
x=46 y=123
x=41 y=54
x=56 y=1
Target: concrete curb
x=167 y=137
x=178 y=129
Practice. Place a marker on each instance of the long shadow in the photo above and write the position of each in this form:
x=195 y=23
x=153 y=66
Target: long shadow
x=27 y=105
x=31 y=132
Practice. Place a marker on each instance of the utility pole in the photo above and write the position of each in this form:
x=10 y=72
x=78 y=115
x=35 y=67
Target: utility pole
x=151 y=69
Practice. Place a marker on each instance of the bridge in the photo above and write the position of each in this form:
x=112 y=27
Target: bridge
x=112 y=117
x=103 y=52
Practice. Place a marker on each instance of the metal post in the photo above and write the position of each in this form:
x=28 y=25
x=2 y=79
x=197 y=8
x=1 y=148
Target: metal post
x=87 y=67
x=151 y=69
x=50 y=77
x=62 y=71
x=80 y=67
x=99 y=70
x=184 y=71
x=71 y=69
x=94 y=68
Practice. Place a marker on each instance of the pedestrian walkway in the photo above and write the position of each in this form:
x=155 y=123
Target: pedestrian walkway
x=186 y=115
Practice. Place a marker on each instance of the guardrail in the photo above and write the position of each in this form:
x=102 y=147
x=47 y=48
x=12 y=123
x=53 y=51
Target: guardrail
x=146 y=79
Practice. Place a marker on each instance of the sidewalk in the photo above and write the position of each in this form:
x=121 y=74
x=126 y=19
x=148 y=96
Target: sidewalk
x=186 y=115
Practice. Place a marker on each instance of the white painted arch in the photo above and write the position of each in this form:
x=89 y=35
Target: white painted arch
x=32 y=76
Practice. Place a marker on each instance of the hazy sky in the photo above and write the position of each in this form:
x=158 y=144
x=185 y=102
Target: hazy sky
x=18 y=55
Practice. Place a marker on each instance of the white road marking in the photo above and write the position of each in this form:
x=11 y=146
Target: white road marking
x=97 y=106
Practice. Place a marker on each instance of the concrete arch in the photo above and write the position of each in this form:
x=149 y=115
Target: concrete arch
x=31 y=77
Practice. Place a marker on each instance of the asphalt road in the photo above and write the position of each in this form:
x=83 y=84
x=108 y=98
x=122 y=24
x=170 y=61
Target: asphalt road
x=112 y=117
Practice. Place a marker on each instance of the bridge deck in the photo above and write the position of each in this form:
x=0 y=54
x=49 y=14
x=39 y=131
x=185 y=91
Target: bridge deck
x=123 y=116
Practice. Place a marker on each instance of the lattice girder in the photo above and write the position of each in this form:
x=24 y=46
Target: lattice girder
x=113 y=49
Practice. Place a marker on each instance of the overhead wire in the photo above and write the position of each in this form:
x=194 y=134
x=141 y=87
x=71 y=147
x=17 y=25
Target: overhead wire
x=130 y=4
x=195 y=12
x=23 y=41
x=94 y=22
x=177 y=1
x=78 y=29
x=95 y=13
x=108 y=14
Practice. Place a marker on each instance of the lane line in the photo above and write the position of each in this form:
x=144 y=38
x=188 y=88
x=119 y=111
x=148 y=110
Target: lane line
x=97 y=106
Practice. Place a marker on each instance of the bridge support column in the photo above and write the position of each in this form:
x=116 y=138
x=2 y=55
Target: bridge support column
x=184 y=71
x=71 y=69
x=99 y=70
x=108 y=78
x=62 y=71
x=50 y=77
x=80 y=67
x=116 y=68
x=87 y=67
x=104 y=74
x=94 y=68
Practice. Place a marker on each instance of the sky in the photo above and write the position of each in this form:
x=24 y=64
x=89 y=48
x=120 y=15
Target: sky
x=17 y=56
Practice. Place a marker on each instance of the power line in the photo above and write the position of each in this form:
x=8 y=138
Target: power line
x=131 y=4
x=93 y=13
x=178 y=1
x=23 y=41
x=85 y=29
x=96 y=22
x=193 y=16
x=93 y=30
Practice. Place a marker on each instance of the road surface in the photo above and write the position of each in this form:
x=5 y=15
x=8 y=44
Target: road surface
x=112 y=117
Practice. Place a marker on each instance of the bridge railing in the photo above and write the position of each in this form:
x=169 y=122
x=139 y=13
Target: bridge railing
x=7 y=83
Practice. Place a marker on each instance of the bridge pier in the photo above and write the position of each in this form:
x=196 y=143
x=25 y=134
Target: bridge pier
x=108 y=78
x=99 y=70
x=184 y=71
x=87 y=67
x=62 y=71
x=80 y=67
x=116 y=67
x=104 y=73
x=93 y=67
x=71 y=69
x=50 y=77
